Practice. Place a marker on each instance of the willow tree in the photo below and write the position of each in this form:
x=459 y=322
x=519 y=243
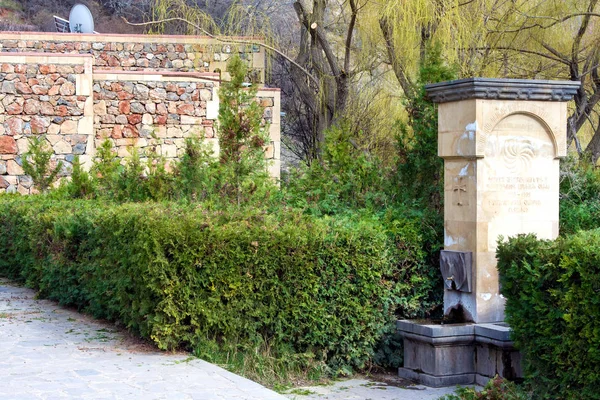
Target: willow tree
x=537 y=39
x=357 y=60
x=408 y=27
x=553 y=40
x=352 y=46
x=338 y=64
x=326 y=51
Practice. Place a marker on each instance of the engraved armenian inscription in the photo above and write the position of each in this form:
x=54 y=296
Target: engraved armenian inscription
x=522 y=117
x=519 y=163
x=522 y=187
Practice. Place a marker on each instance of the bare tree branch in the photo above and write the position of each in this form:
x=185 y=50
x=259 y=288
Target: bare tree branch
x=556 y=21
x=524 y=51
x=229 y=40
x=349 y=35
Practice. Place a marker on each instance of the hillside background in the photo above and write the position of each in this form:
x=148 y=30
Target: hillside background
x=37 y=15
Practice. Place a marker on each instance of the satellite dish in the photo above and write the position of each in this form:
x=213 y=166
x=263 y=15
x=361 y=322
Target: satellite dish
x=81 y=20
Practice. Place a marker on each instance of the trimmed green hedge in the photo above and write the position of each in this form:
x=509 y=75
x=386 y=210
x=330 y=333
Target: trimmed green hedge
x=579 y=197
x=553 y=307
x=182 y=276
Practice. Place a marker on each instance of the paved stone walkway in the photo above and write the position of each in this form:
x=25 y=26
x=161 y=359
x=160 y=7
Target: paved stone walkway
x=48 y=352
x=365 y=389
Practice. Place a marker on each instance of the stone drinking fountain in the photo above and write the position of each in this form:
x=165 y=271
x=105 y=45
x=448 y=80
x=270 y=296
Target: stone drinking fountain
x=501 y=141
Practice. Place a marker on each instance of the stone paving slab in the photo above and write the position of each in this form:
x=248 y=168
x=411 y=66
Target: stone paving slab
x=49 y=352
x=366 y=389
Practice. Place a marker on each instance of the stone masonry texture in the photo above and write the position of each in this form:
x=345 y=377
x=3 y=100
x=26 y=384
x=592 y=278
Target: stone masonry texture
x=142 y=52
x=38 y=99
x=148 y=92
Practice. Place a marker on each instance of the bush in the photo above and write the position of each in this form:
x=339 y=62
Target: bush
x=241 y=137
x=81 y=185
x=553 y=307
x=185 y=277
x=579 y=196
x=420 y=169
x=496 y=389
x=37 y=163
x=346 y=180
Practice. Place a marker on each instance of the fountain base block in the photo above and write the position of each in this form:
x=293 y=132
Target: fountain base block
x=457 y=354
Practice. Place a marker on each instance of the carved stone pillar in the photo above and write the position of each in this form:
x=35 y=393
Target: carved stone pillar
x=501 y=141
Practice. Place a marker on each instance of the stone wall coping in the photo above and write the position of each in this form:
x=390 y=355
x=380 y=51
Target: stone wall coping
x=269 y=89
x=499 y=332
x=105 y=75
x=47 y=58
x=502 y=89
x=154 y=75
x=456 y=340
x=123 y=38
x=505 y=345
x=493 y=331
x=435 y=330
x=160 y=72
x=44 y=55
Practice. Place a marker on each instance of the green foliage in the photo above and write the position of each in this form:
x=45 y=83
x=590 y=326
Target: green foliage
x=137 y=180
x=579 y=196
x=553 y=306
x=389 y=350
x=106 y=169
x=406 y=199
x=496 y=389
x=241 y=137
x=37 y=164
x=81 y=185
x=186 y=277
x=346 y=180
x=11 y=5
x=279 y=368
x=160 y=183
x=349 y=183
x=238 y=176
x=197 y=172
x=131 y=182
x=313 y=282
x=420 y=170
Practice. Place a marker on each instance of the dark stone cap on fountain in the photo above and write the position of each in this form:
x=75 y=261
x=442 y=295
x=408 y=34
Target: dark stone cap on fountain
x=502 y=89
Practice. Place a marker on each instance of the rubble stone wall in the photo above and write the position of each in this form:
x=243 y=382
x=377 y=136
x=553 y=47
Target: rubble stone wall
x=49 y=96
x=76 y=106
x=142 y=52
x=155 y=113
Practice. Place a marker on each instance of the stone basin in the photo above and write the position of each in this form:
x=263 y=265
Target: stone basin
x=438 y=355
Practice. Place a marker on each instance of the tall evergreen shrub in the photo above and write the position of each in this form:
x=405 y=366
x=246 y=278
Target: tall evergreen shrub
x=552 y=292
x=37 y=163
x=242 y=137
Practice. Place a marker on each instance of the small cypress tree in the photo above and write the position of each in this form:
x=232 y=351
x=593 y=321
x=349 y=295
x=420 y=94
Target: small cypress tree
x=241 y=137
x=132 y=182
x=105 y=170
x=420 y=170
x=81 y=185
x=196 y=172
x=37 y=164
